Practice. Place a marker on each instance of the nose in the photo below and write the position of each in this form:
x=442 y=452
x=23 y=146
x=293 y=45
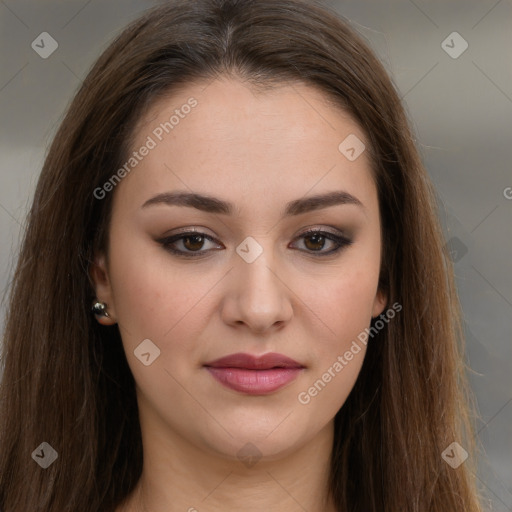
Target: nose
x=257 y=295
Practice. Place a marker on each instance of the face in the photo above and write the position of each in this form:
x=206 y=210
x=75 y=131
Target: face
x=284 y=282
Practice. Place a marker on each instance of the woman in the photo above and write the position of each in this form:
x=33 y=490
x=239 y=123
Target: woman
x=236 y=191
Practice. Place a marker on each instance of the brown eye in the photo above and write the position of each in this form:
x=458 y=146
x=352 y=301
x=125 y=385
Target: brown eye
x=192 y=244
x=315 y=240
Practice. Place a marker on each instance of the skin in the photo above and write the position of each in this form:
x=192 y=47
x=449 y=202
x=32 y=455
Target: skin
x=258 y=151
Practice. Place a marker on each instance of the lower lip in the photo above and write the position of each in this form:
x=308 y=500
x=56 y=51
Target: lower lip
x=254 y=382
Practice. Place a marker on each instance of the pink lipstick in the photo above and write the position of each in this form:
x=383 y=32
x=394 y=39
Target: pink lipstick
x=254 y=375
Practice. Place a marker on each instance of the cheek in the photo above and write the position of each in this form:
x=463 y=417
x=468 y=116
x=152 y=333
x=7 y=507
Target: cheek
x=345 y=312
x=344 y=304
x=154 y=298
x=342 y=301
x=337 y=351
x=156 y=302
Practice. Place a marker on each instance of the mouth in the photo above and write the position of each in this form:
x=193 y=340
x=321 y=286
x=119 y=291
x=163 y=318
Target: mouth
x=254 y=375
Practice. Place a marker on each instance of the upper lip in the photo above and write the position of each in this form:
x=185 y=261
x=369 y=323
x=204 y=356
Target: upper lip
x=252 y=362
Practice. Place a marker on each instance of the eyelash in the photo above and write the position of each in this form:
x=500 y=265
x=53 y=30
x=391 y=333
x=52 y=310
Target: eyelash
x=167 y=242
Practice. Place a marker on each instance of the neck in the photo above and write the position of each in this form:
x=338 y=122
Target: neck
x=178 y=476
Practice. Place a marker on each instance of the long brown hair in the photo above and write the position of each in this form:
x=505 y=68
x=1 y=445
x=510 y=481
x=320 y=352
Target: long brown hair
x=66 y=380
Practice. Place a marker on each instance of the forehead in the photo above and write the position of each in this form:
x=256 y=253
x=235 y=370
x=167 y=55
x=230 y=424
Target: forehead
x=248 y=142
x=230 y=105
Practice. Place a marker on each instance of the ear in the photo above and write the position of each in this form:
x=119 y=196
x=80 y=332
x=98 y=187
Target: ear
x=379 y=304
x=99 y=274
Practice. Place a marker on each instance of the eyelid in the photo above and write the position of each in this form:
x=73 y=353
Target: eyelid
x=180 y=231
x=315 y=228
x=335 y=231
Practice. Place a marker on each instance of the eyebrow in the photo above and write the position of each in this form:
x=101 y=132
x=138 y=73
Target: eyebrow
x=211 y=204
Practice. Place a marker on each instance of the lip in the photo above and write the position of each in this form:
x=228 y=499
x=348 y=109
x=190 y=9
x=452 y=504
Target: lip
x=254 y=375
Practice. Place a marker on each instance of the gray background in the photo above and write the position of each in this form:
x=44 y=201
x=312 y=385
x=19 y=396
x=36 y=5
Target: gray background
x=460 y=108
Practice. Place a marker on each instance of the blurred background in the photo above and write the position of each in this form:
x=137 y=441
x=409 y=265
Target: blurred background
x=451 y=62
